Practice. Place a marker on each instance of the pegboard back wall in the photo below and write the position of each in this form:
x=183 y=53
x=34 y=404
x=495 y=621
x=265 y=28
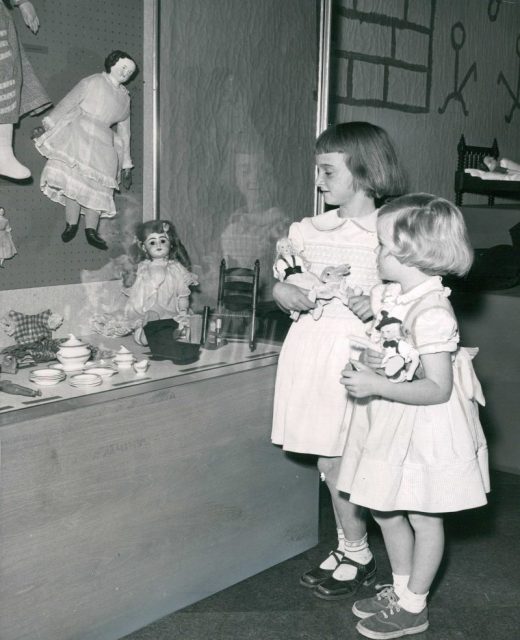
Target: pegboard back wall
x=74 y=38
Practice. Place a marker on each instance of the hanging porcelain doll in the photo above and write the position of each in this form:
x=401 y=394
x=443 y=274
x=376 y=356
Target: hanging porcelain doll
x=7 y=248
x=162 y=285
x=20 y=90
x=86 y=158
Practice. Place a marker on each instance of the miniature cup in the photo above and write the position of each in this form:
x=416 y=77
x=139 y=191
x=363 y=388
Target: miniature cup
x=141 y=367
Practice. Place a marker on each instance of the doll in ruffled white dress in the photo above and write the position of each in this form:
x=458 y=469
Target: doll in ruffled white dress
x=162 y=286
x=7 y=248
x=87 y=158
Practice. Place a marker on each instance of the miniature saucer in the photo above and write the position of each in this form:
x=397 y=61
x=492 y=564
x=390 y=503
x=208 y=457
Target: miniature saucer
x=85 y=380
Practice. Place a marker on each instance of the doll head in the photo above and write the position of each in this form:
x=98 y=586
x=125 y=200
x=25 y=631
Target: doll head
x=369 y=155
x=426 y=232
x=285 y=247
x=152 y=236
x=389 y=326
x=120 y=65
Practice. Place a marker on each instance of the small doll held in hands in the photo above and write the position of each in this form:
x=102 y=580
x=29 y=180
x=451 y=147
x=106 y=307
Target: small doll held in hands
x=162 y=285
x=291 y=267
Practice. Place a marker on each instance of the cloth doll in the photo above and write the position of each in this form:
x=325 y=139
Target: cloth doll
x=162 y=286
x=400 y=359
x=20 y=90
x=7 y=248
x=291 y=267
x=26 y=328
x=86 y=158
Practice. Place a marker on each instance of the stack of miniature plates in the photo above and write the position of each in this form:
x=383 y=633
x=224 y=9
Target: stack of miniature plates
x=84 y=380
x=46 y=377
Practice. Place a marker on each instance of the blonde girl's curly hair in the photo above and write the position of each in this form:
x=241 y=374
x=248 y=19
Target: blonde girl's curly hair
x=428 y=233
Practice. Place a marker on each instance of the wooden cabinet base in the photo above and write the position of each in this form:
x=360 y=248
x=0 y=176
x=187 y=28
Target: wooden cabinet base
x=115 y=514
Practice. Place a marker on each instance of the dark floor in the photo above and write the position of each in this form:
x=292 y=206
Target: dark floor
x=477 y=595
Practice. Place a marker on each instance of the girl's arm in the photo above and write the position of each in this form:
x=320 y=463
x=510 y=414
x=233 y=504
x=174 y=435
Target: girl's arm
x=434 y=388
x=291 y=298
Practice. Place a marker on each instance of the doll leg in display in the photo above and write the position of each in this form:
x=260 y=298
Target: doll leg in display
x=9 y=165
x=91 y=225
x=72 y=211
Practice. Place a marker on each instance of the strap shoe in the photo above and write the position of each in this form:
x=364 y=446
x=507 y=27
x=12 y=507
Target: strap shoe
x=332 y=589
x=316 y=576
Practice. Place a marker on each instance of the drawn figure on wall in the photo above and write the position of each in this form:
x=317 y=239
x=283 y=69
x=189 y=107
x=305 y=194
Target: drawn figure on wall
x=7 y=248
x=87 y=158
x=513 y=93
x=458 y=37
x=20 y=90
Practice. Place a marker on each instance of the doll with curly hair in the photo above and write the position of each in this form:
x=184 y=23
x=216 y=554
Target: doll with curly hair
x=162 y=285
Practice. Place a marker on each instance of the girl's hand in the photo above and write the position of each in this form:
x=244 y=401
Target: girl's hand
x=360 y=305
x=291 y=298
x=29 y=15
x=360 y=380
x=371 y=358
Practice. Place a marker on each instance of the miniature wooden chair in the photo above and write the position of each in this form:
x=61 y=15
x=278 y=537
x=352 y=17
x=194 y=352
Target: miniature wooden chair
x=471 y=157
x=237 y=301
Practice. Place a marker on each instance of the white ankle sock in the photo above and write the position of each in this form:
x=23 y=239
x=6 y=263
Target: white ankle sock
x=412 y=602
x=358 y=551
x=400 y=583
x=330 y=562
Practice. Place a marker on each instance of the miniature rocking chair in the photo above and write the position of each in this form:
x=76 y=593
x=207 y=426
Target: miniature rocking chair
x=237 y=301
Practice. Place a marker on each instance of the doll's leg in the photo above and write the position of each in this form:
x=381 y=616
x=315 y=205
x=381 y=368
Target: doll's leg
x=72 y=210
x=357 y=566
x=9 y=165
x=91 y=225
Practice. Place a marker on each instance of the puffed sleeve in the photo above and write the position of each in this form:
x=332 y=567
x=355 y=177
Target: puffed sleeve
x=296 y=237
x=73 y=98
x=435 y=330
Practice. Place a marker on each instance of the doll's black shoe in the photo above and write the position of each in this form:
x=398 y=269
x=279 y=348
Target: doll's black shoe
x=69 y=232
x=95 y=240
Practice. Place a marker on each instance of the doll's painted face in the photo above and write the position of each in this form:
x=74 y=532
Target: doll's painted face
x=122 y=70
x=157 y=245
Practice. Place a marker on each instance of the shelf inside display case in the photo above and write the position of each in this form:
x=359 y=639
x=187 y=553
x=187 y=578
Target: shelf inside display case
x=231 y=357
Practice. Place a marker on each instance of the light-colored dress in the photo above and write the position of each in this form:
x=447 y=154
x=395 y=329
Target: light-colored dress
x=311 y=407
x=431 y=459
x=7 y=248
x=85 y=155
x=157 y=290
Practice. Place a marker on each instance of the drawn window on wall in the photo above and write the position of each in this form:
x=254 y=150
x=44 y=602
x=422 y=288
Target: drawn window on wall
x=383 y=56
